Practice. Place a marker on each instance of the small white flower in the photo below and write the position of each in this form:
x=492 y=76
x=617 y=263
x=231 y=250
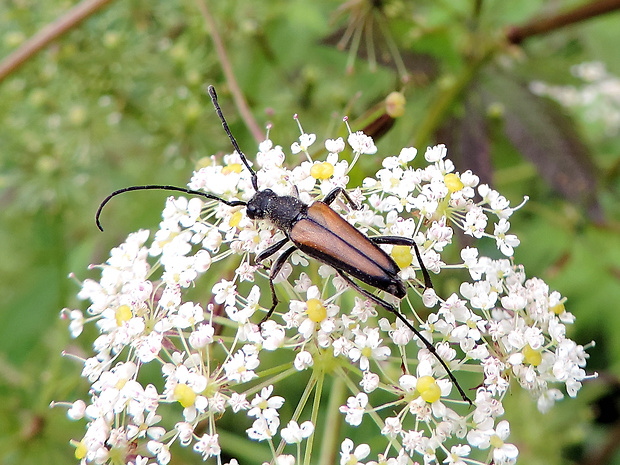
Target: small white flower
x=361 y=143
x=305 y=141
x=354 y=409
x=303 y=360
x=335 y=145
x=263 y=405
x=348 y=456
x=294 y=433
x=392 y=428
x=208 y=446
x=77 y=410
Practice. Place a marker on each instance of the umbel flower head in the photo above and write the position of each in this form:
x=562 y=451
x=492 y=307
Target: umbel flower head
x=215 y=361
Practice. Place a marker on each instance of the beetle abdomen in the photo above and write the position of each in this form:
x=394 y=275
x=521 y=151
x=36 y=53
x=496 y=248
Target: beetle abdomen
x=326 y=236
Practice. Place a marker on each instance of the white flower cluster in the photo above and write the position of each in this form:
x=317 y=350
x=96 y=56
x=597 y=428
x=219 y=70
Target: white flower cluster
x=597 y=95
x=501 y=327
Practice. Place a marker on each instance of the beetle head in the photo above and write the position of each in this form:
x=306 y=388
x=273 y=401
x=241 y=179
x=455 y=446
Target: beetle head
x=258 y=206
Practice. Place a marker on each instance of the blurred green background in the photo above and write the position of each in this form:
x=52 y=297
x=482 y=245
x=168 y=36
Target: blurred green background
x=120 y=100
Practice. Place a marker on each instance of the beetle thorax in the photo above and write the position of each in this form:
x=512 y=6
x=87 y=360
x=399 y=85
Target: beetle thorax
x=280 y=210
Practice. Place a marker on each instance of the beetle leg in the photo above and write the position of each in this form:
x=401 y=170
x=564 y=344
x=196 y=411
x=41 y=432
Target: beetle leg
x=329 y=198
x=398 y=240
x=269 y=251
x=391 y=308
x=275 y=269
x=296 y=190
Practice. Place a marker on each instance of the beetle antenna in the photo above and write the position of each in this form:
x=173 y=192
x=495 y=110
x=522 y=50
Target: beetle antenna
x=231 y=203
x=218 y=110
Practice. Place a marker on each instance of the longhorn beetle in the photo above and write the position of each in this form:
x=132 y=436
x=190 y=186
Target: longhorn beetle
x=322 y=234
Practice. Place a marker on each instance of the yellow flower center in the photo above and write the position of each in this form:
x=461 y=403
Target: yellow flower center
x=80 y=449
x=402 y=255
x=558 y=309
x=232 y=168
x=235 y=219
x=184 y=394
x=496 y=441
x=123 y=314
x=316 y=310
x=531 y=356
x=453 y=183
x=322 y=170
x=428 y=389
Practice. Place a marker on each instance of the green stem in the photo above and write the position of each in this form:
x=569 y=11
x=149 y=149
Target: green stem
x=315 y=414
x=331 y=431
x=300 y=406
x=446 y=99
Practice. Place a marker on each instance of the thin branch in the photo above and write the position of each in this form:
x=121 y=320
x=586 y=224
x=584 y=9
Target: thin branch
x=48 y=34
x=518 y=34
x=241 y=104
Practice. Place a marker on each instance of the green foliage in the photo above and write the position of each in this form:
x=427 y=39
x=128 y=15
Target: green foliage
x=120 y=100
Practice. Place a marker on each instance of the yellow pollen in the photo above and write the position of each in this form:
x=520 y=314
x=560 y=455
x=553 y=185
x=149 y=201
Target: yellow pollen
x=232 y=168
x=80 y=449
x=235 y=219
x=316 y=310
x=558 y=309
x=496 y=441
x=428 y=389
x=531 y=356
x=367 y=352
x=453 y=183
x=322 y=170
x=123 y=314
x=184 y=394
x=402 y=255
x=395 y=104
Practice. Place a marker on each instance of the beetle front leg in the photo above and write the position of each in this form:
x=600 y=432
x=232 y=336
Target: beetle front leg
x=329 y=198
x=406 y=241
x=269 y=251
x=391 y=308
x=275 y=269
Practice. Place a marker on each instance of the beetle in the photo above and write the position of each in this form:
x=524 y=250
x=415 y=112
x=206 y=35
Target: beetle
x=320 y=233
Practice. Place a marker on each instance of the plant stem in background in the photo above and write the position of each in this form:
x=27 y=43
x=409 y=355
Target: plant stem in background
x=49 y=33
x=518 y=34
x=235 y=90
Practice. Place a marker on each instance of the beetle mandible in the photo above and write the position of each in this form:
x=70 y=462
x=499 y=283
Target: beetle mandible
x=321 y=233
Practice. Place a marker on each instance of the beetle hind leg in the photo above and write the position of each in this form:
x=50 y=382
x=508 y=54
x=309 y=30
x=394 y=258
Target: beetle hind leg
x=391 y=308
